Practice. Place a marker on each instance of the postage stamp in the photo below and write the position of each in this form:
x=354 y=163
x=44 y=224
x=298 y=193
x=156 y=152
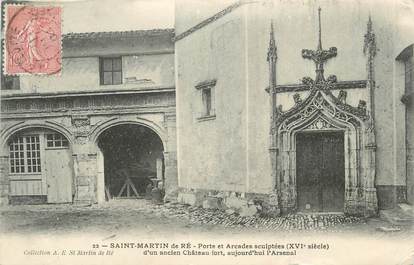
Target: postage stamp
x=33 y=40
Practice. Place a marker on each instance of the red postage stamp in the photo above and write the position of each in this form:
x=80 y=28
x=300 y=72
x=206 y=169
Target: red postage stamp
x=33 y=40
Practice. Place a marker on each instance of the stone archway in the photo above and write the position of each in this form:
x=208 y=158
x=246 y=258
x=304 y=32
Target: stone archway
x=37 y=164
x=102 y=126
x=322 y=112
x=7 y=132
x=130 y=156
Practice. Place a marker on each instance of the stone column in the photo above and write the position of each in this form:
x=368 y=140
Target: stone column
x=171 y=176
x=84 y=161
x=4 y=180
x=170 y=159
x=85 y=166
x=287 y=185
x=273 y=148
x=352 y=177
x=371 y=200
x=85 y=171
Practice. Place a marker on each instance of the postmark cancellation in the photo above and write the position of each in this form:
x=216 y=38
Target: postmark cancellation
x=33 y=40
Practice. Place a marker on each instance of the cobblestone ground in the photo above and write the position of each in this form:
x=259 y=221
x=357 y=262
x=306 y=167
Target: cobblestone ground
x=286 y=222
x=140 y=214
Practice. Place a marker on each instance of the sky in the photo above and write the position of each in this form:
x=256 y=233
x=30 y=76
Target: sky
x=116 y=15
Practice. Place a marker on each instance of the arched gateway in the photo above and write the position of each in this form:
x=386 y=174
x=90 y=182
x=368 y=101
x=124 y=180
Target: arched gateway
x=130 y=159
x=322 y=149
x=130 y=154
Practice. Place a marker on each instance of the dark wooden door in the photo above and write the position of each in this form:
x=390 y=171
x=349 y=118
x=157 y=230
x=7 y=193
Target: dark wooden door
x=320 y=172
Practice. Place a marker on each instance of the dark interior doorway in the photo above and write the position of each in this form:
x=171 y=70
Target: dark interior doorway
x=320 y=172
x=133 y=159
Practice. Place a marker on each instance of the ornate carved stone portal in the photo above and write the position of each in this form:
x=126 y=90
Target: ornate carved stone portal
x=321 y=111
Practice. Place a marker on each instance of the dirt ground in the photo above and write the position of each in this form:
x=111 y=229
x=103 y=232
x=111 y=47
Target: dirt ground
x=141 y=217
x=89 y=228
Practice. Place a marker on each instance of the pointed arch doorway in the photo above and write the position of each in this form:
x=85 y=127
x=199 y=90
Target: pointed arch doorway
x=326 y=158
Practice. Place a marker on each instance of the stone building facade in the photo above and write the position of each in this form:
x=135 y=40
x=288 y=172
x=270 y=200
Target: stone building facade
x=53 y=128
x=278 y=120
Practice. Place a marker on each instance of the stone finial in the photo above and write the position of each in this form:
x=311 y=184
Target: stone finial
x=370 y=49
x=332 y=79
x=362 y=105
x=307 y=81
x=297 y=99
x=279 y=109
x=319 y=56
x=272 y=50
x=369 y=39
x=342 y=96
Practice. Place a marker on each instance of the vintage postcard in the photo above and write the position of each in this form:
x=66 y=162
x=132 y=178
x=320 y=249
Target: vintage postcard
x=207 y=132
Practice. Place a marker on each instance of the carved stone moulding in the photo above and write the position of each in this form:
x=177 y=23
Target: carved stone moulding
x=320 y=124
x=342 y=96
x=322 y=111
x=80 y=120
x=307 y=86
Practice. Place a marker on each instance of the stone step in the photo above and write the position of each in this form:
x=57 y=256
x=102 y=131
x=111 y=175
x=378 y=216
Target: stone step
x=397 y=216
x=388 y=229
x=407 y=208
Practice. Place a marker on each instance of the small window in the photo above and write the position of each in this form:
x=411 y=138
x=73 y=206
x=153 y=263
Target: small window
x=10 y=82
x=206 y=89
x=206 y=94
x=56 y=140
x=111 y=71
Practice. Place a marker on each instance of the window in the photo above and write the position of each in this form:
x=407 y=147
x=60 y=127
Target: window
x=25 y=154
x=207 y=99
x=56 y=140
x=111 y=71
x=206 y=94
x=10 y=82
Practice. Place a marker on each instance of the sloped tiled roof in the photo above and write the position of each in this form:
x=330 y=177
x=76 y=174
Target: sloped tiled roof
x=118 y=34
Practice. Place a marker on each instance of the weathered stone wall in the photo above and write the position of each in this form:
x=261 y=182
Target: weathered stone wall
x=81 y=120
x=404 y=37
x=81 y=74
x=212 y=153
x=344 y=24
x=147 y=62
